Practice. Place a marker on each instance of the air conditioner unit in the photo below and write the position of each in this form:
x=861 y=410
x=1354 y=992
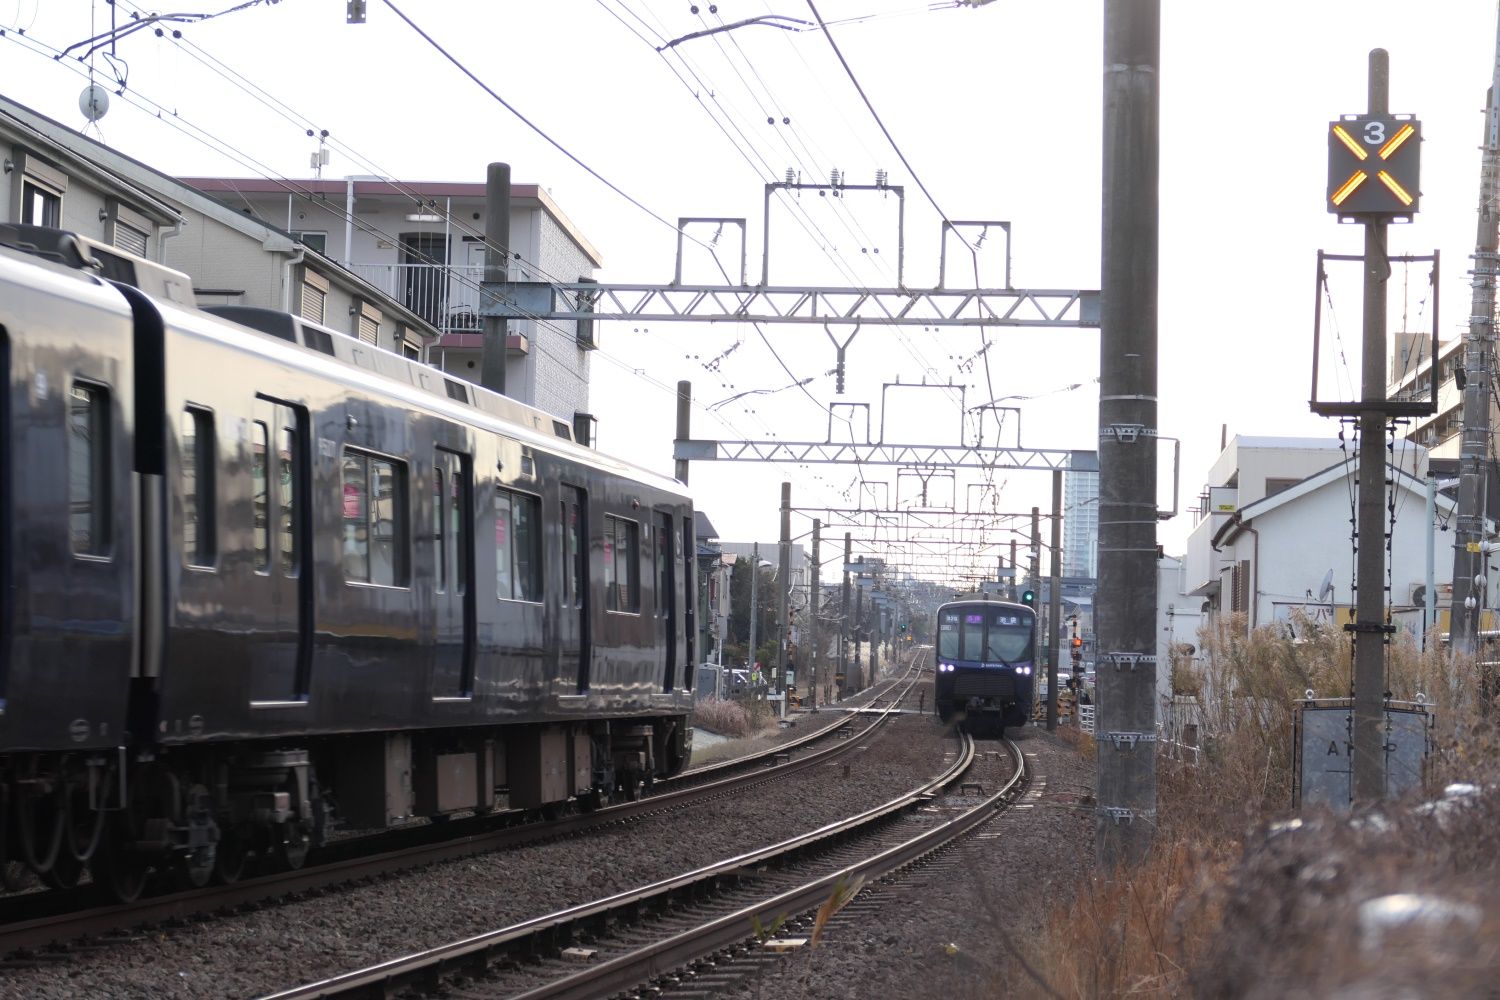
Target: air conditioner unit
x=1419 y=595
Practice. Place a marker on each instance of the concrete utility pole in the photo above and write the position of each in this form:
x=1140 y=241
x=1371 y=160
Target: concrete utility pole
x=1033 y=581
x=858 y=631
x=684 y=424
x=1126 y=615
x=844 y=611
x=1054 y=601
x=1479 y=363
x=814 y=602
x=783 y=592
x=496 y=269
x=754 y=597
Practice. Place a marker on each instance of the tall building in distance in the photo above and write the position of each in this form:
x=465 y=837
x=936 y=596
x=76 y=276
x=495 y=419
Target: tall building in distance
x=1081 y=516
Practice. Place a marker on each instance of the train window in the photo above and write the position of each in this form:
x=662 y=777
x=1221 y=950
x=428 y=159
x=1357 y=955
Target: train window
x=574 y=546
x=374 y=493
x=518 y=546
x=1008 y=637
x=462 y=554
x=286 y=478
x=439 y=550
x=260 y=497
x=622 y=564
x=199 y=538
x=88 y=469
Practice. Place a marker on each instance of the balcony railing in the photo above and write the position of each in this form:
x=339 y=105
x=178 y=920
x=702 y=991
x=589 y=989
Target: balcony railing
x=447 y=297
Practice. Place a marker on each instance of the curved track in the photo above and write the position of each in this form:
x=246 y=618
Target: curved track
x=638 y=937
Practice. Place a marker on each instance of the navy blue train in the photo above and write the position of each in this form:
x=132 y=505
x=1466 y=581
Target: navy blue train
x=986 y=661
x=258 y=577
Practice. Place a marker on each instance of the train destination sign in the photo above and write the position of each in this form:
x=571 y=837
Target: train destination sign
x=1374 y=165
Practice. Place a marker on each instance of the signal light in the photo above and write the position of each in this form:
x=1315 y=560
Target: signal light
x=1028 y=598
x=1077 y=642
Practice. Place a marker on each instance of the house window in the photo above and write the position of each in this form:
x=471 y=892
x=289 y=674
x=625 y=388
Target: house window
x=518 y=546
x=410 y=350
x=317 y=242
x=374 y=498
x=314 y=297
x=1275 y=486
x=125 y=227
x=622 y=564
x=367 y=326
x=40 y=206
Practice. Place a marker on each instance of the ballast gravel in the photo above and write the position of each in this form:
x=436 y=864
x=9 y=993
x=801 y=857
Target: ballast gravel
x=278 y=947
x=961 y=927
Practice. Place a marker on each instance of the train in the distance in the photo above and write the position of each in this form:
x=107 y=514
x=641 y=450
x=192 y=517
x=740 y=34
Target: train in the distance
x=258 y=577
x=986 y=657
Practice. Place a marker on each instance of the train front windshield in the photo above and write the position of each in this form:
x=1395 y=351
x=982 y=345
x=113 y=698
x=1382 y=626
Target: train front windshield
x=985 y=635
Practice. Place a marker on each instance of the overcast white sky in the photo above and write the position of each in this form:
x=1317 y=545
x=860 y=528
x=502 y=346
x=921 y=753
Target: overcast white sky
x=997 y=109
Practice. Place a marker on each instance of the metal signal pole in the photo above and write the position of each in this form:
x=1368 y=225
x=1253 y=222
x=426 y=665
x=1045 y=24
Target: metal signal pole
x=1373 y=177
x=1126 y=622
x=783 y=592
x=814 y=656
x=1369 y=611
x=1479 y=364
x=1054 y=601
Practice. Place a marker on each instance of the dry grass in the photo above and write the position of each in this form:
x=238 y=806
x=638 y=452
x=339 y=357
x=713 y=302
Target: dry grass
x=1212 y=911
x=734 y=718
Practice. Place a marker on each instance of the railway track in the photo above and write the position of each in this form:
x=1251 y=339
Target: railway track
x=32 y=931
x=690 y=934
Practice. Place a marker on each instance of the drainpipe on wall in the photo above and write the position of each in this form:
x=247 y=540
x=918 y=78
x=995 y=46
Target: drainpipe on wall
x=293 y=259
x=163 y=236
x=1254 y=575
x=349 y=223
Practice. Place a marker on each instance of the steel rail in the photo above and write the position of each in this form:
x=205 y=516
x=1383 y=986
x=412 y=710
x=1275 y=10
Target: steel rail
x=59 y=928
x=474 y=954
x=841 y=718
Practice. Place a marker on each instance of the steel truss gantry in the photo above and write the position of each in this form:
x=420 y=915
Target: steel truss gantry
x=806 y=304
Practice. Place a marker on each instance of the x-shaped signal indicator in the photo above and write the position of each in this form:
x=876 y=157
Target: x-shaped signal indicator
x=1373 y=165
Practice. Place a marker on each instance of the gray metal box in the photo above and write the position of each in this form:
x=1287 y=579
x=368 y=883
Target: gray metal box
x=537 y=766
x=375 y=781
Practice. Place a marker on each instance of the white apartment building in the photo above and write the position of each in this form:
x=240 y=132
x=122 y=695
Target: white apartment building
x=1081 y=516
x=423 y=244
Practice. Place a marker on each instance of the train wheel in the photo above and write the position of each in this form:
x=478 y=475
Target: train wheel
x=119 y=870
x=293 y=841
x=85 y=824
x=232 y=856
x=12 y=873
x=41 y=817
x=65 y=872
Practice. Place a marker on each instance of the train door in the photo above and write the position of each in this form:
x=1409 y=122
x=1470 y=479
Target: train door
x=453 y=573
x=7 y=523
x=666 y=596
x=689 y=603
x=575 y=646
x=283 y=630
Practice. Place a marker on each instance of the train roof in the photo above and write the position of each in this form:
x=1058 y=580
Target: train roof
x=307 y=344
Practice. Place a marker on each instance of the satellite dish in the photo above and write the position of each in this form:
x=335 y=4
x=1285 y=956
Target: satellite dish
x=93 y=102
x=1325 y=592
